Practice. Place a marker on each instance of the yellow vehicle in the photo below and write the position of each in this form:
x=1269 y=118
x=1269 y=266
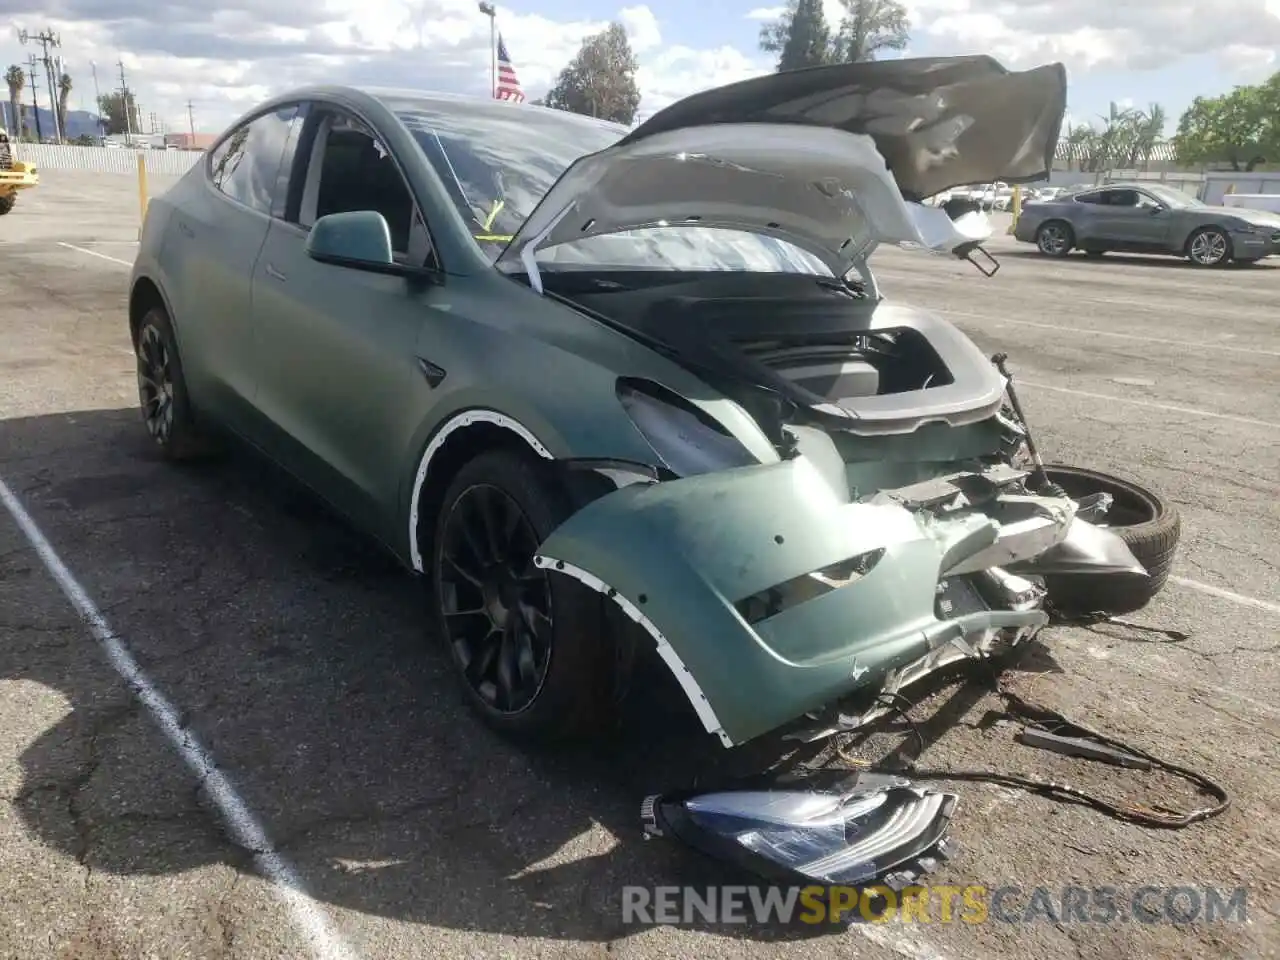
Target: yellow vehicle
x=14 y=174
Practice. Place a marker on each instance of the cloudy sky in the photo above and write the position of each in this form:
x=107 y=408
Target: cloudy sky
x=227 y=54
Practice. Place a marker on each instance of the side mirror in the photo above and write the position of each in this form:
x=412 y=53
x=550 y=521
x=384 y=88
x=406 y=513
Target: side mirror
x=359 y=239
x=1156 y=209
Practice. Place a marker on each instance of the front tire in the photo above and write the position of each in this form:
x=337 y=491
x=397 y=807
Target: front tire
x=7 y=201
x=162 y=391
x=1209 y=247
x=1055 y=238
x=533 y=649
x=1149 y=525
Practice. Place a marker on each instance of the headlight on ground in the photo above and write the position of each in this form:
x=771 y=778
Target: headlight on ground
x=870 y=826
x=686 y=440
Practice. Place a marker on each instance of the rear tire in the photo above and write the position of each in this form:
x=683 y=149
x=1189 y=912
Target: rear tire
x=7 y=201
x=563 y=675
x=162 y=391
x=1148 y=524
x=1055 y=238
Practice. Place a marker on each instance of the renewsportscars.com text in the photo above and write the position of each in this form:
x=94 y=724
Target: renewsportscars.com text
x=973 y=904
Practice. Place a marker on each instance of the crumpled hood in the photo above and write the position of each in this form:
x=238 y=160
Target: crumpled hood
x=833 y=160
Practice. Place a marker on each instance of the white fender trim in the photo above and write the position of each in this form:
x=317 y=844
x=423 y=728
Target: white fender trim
x=683 y=676
x=459 y=420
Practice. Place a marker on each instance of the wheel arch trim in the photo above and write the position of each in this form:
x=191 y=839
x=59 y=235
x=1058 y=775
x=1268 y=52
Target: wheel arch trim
x=134 y=283
x=684 y=677
x=460 y=421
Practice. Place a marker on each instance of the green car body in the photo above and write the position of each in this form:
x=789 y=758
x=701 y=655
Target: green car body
x=384 y=356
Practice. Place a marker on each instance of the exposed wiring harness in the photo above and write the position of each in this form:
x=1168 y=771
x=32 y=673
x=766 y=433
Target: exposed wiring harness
x=1045 y=719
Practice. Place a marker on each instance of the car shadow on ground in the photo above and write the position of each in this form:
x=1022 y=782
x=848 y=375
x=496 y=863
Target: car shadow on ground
x=295 y=650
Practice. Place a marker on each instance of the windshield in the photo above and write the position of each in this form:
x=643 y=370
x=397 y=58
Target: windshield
x=1171 y=197
x=498 y=160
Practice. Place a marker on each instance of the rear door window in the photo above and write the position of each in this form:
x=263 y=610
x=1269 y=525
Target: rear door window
x=246 y=165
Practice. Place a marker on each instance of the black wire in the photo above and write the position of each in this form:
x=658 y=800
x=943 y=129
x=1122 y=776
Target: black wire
x=1040 y=715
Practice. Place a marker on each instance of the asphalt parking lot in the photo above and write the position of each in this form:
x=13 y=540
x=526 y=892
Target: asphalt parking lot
x=294 y=652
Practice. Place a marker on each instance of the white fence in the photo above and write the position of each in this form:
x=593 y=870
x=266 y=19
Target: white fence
x=50 y=156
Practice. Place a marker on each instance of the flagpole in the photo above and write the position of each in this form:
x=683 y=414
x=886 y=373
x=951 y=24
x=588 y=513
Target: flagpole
x=491 y=12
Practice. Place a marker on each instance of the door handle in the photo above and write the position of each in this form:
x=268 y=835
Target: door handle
x=275 y=274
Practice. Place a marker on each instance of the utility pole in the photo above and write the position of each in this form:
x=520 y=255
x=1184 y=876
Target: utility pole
x=125 y=102
x=491 y=12
x=47 y=38
x=97 y=100
x=35 y=103
x=191 y=119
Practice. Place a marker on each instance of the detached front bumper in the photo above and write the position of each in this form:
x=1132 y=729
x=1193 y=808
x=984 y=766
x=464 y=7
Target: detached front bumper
x=769 y=595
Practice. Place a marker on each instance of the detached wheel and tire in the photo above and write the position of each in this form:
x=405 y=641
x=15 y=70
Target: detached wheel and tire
x=1209 y=247
x=533 y=649
x=162 y=391
x=1148 y=524
x=1055 y=238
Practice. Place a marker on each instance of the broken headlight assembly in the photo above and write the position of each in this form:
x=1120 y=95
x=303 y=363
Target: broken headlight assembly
x=868 y=828
x=686 y=440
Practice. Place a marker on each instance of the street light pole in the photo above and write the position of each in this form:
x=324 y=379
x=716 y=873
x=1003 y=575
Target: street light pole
x=97 y=100
x=491 y=12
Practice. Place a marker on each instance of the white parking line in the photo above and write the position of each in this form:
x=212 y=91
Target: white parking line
x=1168 y=407
x=1239 y=598
x=1088 y=331
x=94 y=253
x=240 y=821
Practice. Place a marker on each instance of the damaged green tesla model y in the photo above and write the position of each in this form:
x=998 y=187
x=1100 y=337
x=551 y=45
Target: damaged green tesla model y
x=602 y=386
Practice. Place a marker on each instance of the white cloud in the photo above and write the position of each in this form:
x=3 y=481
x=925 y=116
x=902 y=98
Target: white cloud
x=227 y=55
x=1091 y=34
x=642 y=28
x=227 y=58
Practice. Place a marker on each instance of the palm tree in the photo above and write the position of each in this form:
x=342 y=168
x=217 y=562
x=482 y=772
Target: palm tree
x=64 y=92
x=1148 y=131
x=1080 y=142
x=1113 y=143
x=16 y=79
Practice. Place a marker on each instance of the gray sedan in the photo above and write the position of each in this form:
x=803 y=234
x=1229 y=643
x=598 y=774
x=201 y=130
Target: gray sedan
x=1148 y=218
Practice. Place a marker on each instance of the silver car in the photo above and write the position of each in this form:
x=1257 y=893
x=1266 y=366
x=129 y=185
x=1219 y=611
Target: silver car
x=1148 y=218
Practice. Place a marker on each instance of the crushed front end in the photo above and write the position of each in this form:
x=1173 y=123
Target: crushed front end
x=771 y=593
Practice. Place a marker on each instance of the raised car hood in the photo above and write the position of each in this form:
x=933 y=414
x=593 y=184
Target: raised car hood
x=834 y=159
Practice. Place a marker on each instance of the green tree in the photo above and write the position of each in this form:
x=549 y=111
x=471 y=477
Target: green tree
x=871 y=27
x=113 y=106
x=17 y=80
x=800 y=37
x=1241 y=128
x=601 y=79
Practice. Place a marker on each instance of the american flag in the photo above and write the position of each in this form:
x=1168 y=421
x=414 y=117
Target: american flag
x=508 y=85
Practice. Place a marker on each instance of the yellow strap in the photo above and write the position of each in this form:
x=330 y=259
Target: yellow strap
x=495 y=237
x=497 y=208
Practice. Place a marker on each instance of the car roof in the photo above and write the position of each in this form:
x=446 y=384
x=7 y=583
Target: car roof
x=426 y=99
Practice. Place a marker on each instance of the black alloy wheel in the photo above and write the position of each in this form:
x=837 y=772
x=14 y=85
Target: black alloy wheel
x=156 y=383
x=497 y=606
x=162 y=392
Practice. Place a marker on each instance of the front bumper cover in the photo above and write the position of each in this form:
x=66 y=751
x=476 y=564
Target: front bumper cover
x=690 y=559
